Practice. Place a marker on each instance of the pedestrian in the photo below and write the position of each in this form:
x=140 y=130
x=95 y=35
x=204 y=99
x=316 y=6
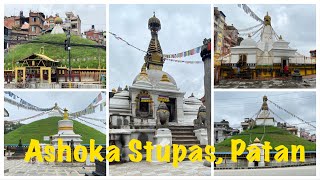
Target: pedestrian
x=238 y=69
x=286 y=70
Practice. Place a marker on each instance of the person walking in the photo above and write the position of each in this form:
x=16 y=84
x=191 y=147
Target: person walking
x=286 y=70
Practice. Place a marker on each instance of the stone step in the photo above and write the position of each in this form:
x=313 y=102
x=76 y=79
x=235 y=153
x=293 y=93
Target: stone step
x=182 y=134
x=181 y=127
x=184 y=138
x=181 y=130
x=185 y=141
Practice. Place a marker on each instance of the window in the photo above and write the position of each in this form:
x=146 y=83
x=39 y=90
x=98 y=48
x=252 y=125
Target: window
x=33 y=28
x=34 y=19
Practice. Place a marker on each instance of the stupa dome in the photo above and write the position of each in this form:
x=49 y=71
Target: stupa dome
x=248 y=42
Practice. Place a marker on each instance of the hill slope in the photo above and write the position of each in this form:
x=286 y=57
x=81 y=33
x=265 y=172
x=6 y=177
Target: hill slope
x=274 y=135
x=57 y=51
x=49 y=126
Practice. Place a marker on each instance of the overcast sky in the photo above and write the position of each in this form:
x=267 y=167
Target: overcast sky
x=296 y=23
x=90 y=14
x=235 y=106
x=183 y=27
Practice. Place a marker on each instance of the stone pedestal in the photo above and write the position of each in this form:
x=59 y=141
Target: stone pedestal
x=202 y=135
x=19 y=153
x=121 y=139
x=261 y=163
x=100 y=166
x=163 y=137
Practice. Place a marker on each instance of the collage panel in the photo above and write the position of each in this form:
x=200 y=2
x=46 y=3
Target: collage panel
x=66 y=120
x=285 y=120
x=160 y=89
x=265 y=46
x=54 y=46
x=55 y=132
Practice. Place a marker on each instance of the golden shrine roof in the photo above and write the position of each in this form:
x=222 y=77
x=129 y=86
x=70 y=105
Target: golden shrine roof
x=45 y=57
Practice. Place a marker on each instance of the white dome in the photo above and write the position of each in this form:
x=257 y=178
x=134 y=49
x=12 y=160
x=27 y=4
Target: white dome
x=248 y=43
x=120 y=101
x=281 y=44
x=166 y=85
x=155 y=77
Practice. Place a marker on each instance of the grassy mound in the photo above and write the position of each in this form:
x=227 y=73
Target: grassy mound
x=47 y=127
x=84 y=56
x=274 y=135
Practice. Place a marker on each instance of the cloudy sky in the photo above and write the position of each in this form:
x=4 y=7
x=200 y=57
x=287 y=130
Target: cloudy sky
x=88 y=13
x=181 y=30
x=235 y=106
x=296 y=23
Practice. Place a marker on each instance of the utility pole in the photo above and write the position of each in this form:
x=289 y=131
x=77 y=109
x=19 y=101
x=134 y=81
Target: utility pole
x=67 y=47
x=206 y=58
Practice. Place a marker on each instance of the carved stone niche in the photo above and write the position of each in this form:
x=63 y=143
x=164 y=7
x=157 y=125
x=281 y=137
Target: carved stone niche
x=144 y=108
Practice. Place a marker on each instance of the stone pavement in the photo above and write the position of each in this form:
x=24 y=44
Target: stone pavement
x=307 y=82
x=185 y=168
x=22 y=168
x=288 y=171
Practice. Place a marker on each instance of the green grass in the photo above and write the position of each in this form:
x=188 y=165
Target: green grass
x=49 y=126
x=57 y=52
x=274 y=135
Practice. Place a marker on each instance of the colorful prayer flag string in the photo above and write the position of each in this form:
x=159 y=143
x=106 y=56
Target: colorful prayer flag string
x=247 y=10
x=184 y=54
x=168 y=56
x=183 y=61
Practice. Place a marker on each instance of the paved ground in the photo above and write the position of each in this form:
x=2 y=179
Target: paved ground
x=186 y=168
x=308 y=82
x=22 y=168
x=290 y=171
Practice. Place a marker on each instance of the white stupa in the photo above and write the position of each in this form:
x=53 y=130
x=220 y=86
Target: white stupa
x=57 y=29
x=65 y=132
x=264 y=118
x=55 y=111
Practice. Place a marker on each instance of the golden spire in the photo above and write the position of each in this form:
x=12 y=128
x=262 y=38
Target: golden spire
x=143 y=74
x=256 y=140
x=267 y=20
x=153 y=58
x=165 y=78
x=265 y=104
x=65 y=114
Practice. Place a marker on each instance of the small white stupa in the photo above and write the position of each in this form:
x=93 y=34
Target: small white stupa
x=264 y=118
x=55 y=111
x=65 y=132
x=57 y=29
